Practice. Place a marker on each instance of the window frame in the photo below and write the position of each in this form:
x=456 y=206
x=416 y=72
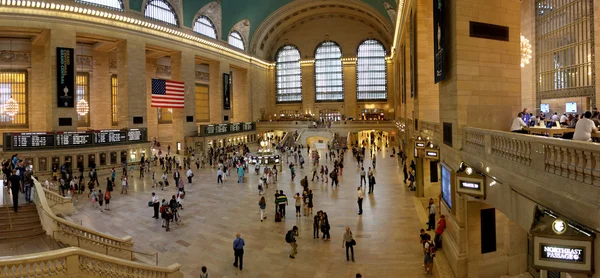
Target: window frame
x=212 y=25
x=92 y=3
x=198 y=119
x=171 y=9
x=114 y=99
x=22 y=104
x=358 y=99
x=241 y=38
x=159 y=116
x=83 y=121
x=277 y=94
x=341 y=66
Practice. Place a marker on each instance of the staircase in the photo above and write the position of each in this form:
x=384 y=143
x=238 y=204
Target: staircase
x=24 y=224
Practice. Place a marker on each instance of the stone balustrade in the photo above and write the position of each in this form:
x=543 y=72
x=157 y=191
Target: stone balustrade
x=77 y=262
x=76 y=235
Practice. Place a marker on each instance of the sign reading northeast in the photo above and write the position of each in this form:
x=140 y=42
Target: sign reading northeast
x=32 y=140
x=73 y=139
x=65 y=77
x=562 y=253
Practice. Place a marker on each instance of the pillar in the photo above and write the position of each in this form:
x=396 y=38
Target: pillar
x=241 y=101
x=39 y=91
x=350 y=104
x=100 y=92
x=152 y=113
x=309 y=104
x=419 y=177
x=427 y=102
x=217 y=68
x=183 y=68
x=59 y=38
x=131 y=55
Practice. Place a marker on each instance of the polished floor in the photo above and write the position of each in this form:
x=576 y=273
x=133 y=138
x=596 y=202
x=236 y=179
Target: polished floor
x=386 y=234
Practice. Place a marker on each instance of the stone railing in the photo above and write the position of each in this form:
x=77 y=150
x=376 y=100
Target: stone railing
x=574 y=160
x=77 y=262
x=72 y=234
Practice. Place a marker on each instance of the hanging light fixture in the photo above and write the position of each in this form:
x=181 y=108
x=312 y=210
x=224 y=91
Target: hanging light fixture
x=83 y=107
x=525 y=51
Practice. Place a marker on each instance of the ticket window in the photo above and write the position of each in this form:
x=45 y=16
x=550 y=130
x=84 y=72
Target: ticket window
x=42 y=164
x=80 y=162
x=133 y=156
x=103 y=159
x=113 y=158
x=123 y=156
x=92 y=160
x=142 y=154
x=55 y=163
x=68 y=161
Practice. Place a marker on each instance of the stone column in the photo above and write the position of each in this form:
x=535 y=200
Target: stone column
x=131 y=57
x=217 y=68
x=427 y=102
x=241 y=101
x=59 y=38
x=528 y=91
x=152 y=112
x=308 y=89
x=183 y=68
x=482 y=89
x=259 y=84
x=100 y=92
x=39 y=91
x=350 y=104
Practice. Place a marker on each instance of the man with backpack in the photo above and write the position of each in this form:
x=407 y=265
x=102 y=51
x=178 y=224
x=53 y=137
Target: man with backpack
x=290 y=238
x=429 y=250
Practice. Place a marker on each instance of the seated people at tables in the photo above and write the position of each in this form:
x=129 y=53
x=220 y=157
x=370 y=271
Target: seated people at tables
x=525 y=115
x=573 y=121
x=555 y=117
x=596 y=118
x=518 y=124
x=564 y=119
x=542 y=116
x=532 y=118
x=584 y=128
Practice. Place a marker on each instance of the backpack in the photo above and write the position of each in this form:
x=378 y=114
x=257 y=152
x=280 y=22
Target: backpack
x=432 y=248
x=289 y=237
x=332 y=175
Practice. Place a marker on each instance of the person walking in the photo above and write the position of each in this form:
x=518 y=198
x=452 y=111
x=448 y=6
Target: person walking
x=107 y=200
x=189 y=176
x=316 y=224
x=432 y=208
x=371 y=183
x=155 y=204
x=325 y=227
x=349 y=242
x=429 y=253
x=204 y=273
x=238 y=250
x=282 y=202
x=28 y=183
x=361 y=196
x=363 y=174
x=219 y=176
x=100 y=198
x=314 y=171
x=262 y=204
x=16 y=186
x=298 y=204
x=176 y=176
x=290 y=238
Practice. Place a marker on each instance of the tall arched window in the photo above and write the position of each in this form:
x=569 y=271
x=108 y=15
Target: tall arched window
x=235 y=39
x=329 y=80
x=289 y=74
x=109 y=4
x=370 y=71
x=204 y=26
x=162 y=11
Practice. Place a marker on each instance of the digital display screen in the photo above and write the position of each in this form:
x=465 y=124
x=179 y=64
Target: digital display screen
x=135 y=135
x=571 y=107
x=562 y=253
x=470 y=185
x=420 y=145
x=32 y=140
x=432 y=154
x=447 y=186
x=110 y=137
x=545 y=107
x=70 y=139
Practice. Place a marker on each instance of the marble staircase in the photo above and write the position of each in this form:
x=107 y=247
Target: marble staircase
x=24 y=224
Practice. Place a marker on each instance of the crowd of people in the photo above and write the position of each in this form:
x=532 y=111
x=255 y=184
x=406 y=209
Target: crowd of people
x=583 y=125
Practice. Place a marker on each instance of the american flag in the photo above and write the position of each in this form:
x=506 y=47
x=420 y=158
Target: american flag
x=167 y=93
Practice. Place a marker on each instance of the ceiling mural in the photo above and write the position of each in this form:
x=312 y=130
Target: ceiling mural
x=234 y=11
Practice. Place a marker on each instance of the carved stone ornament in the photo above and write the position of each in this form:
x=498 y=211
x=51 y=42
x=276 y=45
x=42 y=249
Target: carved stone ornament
x=8 y=56
x=202 y=76
x=243 y=27
x=84 y=61
x=163 y=70
x=391 y=11
x=112 y=63
x=212 y=10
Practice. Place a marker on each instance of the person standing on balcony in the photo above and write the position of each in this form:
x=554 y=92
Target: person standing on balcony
x=518 y=124
x=15 y=186
x=431 y=223
x=584 y=128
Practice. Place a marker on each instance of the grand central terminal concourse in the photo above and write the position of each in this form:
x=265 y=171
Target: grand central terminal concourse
x=299 y=138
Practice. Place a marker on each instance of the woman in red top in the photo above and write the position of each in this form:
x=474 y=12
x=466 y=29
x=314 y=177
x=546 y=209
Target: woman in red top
x=441 y=226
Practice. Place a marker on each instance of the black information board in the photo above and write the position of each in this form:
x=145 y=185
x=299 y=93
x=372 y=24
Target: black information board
x=65 y=77
x=220 y=129
x=227 y=83
x=50 y=140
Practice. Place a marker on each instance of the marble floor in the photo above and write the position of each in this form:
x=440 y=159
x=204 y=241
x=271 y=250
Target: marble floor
x=386 y=234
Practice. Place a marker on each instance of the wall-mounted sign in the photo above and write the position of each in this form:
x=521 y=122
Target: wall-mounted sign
x=227 y=82
x=439 y=39
x=559 y=226
x=470 y=184
x=65 y=77
x=446 y=184
x=70 y=139
x=432 y=154
x=562 y=254
x=420 y=144
x=220 y=129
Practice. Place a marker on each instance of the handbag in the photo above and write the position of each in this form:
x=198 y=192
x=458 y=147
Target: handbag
x=353 y=242
x=150 y=204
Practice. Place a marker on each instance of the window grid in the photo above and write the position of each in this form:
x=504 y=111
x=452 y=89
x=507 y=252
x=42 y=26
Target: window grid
x=329 y=79
x=162 y=11
x=204 y=26
x=371 y=71
x=108 y=4
x=289 y=74
x=13 y=84
x=235 y=39
x=564 y=45
x=114 y=99
x=202 y=103
x=165 y=115
x=82 y=91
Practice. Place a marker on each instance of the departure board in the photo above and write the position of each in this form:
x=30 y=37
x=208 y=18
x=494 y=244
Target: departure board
x=110 y=136
x=73 y=139
x=32 y=140
x=134 y=135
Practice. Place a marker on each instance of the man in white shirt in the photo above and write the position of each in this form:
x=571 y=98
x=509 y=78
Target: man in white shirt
x=363 y=174
x=555 y=117
x=584 y=128
x=518 y=124
x=155 y=205
x=564 y=119
x=432 y=210
x=361 y=195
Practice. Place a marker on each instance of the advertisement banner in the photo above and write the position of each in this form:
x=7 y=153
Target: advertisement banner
x=65 y=77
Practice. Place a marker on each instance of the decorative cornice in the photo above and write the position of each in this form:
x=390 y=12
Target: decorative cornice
x=163 y=70
x=8 y=56
x=202 y=76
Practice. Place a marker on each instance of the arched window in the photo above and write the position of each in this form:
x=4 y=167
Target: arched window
x=235 y=39
x=370 y=71
x=109 y=4
x=329 y=80
x=289 y=74
x=204 y=26
x=162 y=11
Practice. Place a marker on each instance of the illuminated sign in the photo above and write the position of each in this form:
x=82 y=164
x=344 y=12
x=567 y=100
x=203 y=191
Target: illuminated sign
x=559 y=226
x=447 y=185
x=419 y=145
x=470 y=185
x=562 y=253
x=432 y=154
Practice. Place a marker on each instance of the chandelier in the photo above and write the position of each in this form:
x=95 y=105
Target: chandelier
x=525 y=51
x=11 y=107
x=83 y=107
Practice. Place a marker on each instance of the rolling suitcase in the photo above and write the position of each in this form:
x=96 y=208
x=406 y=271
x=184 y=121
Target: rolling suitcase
x=277 y=217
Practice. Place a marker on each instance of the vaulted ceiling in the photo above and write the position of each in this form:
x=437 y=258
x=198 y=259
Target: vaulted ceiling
x=256 y=11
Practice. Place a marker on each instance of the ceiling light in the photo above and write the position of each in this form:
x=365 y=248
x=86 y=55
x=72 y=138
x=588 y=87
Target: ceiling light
x=469 y=170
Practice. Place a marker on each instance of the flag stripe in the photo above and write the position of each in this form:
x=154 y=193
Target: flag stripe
x=167 y=93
